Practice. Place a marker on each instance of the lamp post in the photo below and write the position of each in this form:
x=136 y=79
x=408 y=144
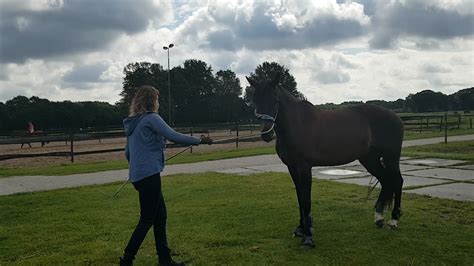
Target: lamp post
x=167 y=48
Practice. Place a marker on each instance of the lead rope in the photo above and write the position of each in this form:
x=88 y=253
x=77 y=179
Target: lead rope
x=372 y=186
x=114 y=196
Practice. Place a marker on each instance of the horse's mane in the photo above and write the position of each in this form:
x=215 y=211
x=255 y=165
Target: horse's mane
x=303 y=101
x=309 y=103
x=306 y=101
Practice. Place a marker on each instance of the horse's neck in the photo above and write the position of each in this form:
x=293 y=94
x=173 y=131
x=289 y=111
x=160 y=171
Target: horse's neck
x=287 y=100
x=287 y=106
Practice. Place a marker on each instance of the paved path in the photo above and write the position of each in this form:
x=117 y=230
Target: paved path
x=21 y=184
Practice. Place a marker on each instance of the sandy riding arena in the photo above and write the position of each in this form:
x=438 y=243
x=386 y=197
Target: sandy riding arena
x=104 y=144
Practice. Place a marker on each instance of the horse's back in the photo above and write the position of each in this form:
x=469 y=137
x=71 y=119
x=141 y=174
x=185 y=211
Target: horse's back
x=351 y=132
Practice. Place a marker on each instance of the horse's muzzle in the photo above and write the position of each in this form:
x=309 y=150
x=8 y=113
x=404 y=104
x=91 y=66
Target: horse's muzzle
x=267 y=135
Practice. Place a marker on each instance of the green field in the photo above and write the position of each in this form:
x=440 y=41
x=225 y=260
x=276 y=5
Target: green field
x=457 y=150
x=216 y=219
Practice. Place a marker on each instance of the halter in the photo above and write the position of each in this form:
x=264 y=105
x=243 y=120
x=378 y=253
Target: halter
x=269 y=118
x=266 y=117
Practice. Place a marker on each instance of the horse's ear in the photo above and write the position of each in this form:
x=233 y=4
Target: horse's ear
x=252 y=82
x=276 y=80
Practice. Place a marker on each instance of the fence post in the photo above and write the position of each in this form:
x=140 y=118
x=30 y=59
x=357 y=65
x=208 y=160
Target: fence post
x=72 y=148
x=237 y=136
x=459 y=120
x=445 y=127
x=192 y=131
x=427 y=124
x=421 y=124
x=441 y=123
x=470 y=122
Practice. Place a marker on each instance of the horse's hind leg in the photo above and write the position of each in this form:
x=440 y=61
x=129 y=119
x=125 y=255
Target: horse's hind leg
x=372 y=163
x=397 y=182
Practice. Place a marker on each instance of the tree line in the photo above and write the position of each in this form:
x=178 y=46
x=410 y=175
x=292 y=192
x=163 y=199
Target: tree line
x=48 y=115
x=198 y=96
x=421 y=102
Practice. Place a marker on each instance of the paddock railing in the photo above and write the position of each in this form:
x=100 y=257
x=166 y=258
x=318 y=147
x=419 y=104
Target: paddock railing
x=436 y=122
x=230 y=132
x=223 y=134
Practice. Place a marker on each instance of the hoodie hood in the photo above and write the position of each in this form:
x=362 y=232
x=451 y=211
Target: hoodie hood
x=130 y=123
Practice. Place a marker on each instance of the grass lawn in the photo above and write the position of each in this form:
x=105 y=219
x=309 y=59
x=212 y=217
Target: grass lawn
x=216 y=219
x=458 y=150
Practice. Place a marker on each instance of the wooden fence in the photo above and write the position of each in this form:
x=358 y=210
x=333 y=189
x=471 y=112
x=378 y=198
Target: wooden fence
x=418 y=123
x=436 y=122
x=70 y=138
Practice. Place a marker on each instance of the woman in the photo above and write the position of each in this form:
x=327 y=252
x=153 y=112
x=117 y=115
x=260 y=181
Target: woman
x=146 y=133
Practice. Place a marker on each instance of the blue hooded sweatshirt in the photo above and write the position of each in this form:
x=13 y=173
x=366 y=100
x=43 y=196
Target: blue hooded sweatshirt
x=145 y=147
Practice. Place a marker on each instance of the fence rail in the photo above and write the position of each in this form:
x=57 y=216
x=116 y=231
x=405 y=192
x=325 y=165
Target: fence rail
x=411 y=122
x=70 y=138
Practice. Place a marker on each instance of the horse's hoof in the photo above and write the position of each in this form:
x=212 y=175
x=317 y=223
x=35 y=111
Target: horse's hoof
x=379 y=220
x=307 y=242
x=393 y=224
x=298 y=232
x=379 y=223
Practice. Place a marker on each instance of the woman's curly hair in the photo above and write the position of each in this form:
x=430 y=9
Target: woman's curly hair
x=145 y=100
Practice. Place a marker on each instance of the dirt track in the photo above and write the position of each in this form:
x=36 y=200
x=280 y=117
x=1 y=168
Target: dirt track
x=102 y=145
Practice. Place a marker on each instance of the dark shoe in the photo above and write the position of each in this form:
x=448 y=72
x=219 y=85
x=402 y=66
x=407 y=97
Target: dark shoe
x=172 y=263
x=126 y=262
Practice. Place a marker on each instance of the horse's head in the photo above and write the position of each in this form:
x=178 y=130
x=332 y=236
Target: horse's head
x=266 y=99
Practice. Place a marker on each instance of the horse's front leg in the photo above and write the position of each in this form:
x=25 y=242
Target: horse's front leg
x=295 y=176
x=304 y=192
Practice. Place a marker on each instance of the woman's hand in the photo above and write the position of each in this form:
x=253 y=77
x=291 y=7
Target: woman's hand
x=206 y=140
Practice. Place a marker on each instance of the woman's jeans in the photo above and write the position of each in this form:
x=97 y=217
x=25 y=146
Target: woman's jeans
x=152 y=213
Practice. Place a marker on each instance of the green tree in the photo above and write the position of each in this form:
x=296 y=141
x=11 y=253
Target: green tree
x=195 y=86
x=144 y=73
x=462 y=100
x=427 y=101
x=198 y=96
x=397 y=105
x=228 y=104
x=228 y=83
x=47 y=115
x=268 y=70
x=4 y=118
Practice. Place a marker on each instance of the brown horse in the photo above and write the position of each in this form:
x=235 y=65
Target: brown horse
x=22 y=134
x=307 y=136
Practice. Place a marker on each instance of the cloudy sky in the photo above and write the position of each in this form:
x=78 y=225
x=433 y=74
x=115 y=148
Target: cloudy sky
x=337 y=50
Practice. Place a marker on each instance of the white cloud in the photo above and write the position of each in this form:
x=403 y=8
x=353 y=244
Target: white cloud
x=325 y=44
x=272 y=25
x=43 y=29
x=426 y=19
